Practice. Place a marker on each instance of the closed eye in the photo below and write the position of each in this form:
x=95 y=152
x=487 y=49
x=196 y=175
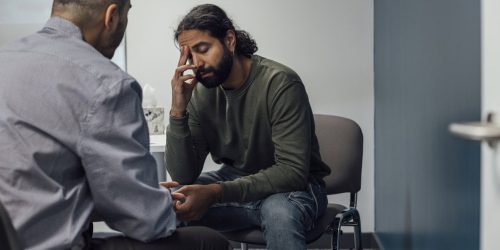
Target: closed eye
x=201 y=47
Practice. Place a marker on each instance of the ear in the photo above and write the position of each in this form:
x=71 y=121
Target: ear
x=111 y=16
x=230 y=40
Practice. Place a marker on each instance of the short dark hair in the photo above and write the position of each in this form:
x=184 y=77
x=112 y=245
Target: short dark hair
x=88 y=5
x=211 y=18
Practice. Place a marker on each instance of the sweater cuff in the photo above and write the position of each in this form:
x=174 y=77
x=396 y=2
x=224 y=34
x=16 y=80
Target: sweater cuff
x=178 y=126
x=231 y=191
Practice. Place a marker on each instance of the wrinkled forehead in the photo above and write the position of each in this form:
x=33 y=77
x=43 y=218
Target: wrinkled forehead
x=191 y=38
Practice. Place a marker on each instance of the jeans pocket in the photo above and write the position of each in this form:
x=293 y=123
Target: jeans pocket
x=312 y=202
x=320 y=196
x=307 y=205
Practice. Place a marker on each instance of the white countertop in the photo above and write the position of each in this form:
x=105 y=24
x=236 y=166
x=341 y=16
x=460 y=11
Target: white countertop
x=157 y=143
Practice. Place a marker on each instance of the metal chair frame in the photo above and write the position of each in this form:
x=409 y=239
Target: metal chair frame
x=347 y=217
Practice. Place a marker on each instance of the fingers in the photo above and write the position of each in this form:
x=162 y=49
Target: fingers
x=178 y=196
x=186 y=78
x=184 y=56
x=181 y=69
x=184 y=190
x=183 y=204
x=194 y=81
x=183 y=82
x=184 y=212
x=174 y=205
x=169 y=184
x=181 y=208
x=180 y=79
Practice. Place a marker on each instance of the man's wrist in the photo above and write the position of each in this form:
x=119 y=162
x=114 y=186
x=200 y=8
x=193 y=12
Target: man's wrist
x=217 y=192
x=177 y=113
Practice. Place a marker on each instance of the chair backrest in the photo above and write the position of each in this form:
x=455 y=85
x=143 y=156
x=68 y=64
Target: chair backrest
x=8 y=236
x=341 y=147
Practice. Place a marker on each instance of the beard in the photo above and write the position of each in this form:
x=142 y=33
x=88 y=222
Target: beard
x=220 y=73
x=110 y=43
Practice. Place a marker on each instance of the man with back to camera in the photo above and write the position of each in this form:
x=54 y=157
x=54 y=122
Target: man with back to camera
x=74 y=139
x=253 y=116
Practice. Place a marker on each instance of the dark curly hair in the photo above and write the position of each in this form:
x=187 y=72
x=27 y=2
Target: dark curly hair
x=211 y=18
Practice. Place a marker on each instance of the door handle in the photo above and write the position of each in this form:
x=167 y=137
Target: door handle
x=488 y=130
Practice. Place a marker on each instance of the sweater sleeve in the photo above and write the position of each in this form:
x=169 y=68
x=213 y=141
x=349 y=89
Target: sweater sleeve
x=186 y=148
x=290 y=118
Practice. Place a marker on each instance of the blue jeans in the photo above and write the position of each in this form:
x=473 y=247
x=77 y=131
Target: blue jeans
x=283 y=217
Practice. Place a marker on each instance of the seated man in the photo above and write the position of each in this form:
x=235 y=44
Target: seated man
x=253 y=116
x=74 y=139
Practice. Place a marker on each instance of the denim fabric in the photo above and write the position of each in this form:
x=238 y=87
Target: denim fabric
x=284 y=217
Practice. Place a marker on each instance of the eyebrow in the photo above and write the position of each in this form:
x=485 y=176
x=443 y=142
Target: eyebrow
x=196 y=46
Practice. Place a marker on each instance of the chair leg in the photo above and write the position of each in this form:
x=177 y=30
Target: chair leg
x=336 y=234
x=349 y=217
x=357 y=231
x=244 y=246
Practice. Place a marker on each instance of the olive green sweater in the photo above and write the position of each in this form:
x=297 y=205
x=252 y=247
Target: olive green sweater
x=264 y=130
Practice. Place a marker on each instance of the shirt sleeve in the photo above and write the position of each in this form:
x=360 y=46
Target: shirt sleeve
x=121 y=172
x=186 y=149
x=290 y=118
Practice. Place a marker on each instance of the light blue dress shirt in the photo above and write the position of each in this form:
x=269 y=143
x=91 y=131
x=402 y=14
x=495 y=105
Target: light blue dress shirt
x=73 y=138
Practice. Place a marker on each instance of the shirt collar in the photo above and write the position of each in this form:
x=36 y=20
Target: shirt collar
x=65 y=26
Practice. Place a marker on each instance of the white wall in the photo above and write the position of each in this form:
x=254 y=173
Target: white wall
x=19 y=18
x=490 y=160
x=329 y=43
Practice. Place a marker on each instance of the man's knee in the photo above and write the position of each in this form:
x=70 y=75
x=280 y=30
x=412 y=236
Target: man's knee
x=278 y=211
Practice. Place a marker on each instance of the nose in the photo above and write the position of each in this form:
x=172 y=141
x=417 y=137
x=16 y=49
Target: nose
x=197 y=61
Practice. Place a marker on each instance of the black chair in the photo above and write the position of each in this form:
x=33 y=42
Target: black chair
x=8 y=236
x=341 y=147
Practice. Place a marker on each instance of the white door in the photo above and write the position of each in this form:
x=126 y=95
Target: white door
x=490 y=159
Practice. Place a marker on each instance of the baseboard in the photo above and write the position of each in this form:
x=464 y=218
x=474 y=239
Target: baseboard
x=369 y=241
x=377 y=241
